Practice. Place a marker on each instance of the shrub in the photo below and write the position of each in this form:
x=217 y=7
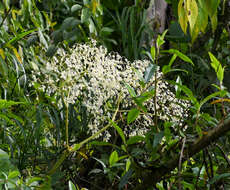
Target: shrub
x=90 y=76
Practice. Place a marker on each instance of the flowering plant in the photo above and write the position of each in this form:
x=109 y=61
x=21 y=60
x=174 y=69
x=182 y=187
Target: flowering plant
x=91 y=76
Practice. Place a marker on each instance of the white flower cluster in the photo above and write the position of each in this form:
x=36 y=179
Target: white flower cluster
x=89 y=74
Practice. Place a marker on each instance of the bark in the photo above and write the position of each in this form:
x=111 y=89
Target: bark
x=151 y=177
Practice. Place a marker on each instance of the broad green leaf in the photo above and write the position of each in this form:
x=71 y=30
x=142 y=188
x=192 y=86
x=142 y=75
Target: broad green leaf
x=33 y=179
x=113 y=158
x=157 y=138
x=183 y=15
x=217 y=67
x=132 y=115
x=149 y=72
x=214 y=22
x=167 y=132
x=211 y=6
x=192 y=10
x=128 y=164
x=71 y=186
x=85 y=15
x=202 y=16
x=2 y=53
x=13 y=174
x=125 y=178
x=153 y=52
x=177 y=89
x=75 y=8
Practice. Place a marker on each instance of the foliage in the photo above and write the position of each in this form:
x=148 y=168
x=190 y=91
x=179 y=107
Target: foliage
x=166 y=116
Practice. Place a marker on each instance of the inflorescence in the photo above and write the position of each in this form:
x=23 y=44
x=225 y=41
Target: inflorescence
x=94 y=77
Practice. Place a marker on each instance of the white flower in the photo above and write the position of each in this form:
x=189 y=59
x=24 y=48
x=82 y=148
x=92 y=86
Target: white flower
x=89 y=73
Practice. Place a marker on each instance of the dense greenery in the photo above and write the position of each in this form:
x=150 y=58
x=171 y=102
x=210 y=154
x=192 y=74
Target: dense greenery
x=87 y=102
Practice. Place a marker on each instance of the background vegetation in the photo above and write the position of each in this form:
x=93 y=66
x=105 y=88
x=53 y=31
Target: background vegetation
x=45 y=142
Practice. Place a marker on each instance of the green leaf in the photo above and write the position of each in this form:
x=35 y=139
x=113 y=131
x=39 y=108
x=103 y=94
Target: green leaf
x=167 y=132
x=85 y=15
x=180 y=55
x=33 y=179
x=188 y=92
x=192 y=10
x=153 y=52
x=113 y=158
x=132 y=115
x=131 y=90
x=157 y=138
x=71 y=186
x=183 y=15
x=6 y=104
x=214 y=22
x=217 y=67
x=218 y=177
x=202 y=16
x=125 y=178
x=135 y=139
x=149 y=72
x=213 y=95
x=211 y=6
x=75 y=8
x=20 y=36
x=13 y=174
x=119 y=130
x=160 y=39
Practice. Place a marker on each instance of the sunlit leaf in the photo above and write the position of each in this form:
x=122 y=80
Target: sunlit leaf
x=192 y=10
x=2 y=53
x=113 y=158
x=183 y=15
x=132 y=115
x=217 y=67
x=71 y=186
x=75 y=8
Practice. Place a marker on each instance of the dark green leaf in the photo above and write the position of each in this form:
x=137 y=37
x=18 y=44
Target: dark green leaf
x=218 y=177
x=124 y=179
x=150 y=71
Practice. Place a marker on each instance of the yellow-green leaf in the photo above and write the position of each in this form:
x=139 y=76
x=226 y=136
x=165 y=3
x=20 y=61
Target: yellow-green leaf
x=192 y=11
x=214 y=22
x=221 y=100
x=202 y=16
x=182 y=15
x=17 y=55
x=2 y=53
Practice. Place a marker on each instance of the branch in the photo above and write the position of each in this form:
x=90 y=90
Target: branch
x=151 y=177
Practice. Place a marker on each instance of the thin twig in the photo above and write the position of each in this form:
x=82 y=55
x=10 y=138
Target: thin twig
x=180 y=163
x=7 y=13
